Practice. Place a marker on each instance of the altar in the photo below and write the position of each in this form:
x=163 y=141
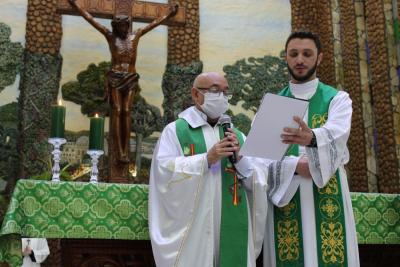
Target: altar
x=78 y=213
x=73 y=210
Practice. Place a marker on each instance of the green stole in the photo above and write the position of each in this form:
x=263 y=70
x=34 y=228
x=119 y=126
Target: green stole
x=328 y=203
x=234 y=218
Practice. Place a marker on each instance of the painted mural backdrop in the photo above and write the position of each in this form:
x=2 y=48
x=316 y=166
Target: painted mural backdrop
x=241 y=39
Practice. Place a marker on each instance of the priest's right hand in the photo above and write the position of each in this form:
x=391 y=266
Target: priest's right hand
x=224 y=148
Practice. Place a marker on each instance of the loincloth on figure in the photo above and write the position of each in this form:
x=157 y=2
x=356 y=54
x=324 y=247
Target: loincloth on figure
x=123 y=81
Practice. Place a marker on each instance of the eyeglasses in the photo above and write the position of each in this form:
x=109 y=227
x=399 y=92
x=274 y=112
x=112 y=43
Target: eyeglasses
x=216 y=91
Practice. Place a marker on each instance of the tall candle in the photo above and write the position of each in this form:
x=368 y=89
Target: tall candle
x=96 y=138
x=57 y=121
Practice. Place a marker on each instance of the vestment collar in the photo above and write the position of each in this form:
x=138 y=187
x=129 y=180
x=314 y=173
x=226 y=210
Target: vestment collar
x=304 y=90
x=194 y=117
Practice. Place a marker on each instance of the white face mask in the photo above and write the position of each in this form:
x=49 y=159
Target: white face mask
x=214 y=105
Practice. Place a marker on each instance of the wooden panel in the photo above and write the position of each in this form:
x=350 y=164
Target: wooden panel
x=110 y=253
x=97 y=8
x=379 y=255
x=150 y=11
x=142 y=11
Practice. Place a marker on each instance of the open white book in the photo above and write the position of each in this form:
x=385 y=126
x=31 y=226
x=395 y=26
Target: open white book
x=275 y=113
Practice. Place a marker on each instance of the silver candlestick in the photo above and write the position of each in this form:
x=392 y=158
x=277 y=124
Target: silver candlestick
x=94 y=155
x=57 y=143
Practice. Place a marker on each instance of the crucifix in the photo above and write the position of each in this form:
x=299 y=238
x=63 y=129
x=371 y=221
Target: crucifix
x=122 y=80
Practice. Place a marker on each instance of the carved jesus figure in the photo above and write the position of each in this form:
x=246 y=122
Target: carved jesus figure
x=122 y=80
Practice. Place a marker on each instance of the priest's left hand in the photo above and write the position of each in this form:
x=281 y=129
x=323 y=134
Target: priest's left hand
x=302 y=167
x=301 y=136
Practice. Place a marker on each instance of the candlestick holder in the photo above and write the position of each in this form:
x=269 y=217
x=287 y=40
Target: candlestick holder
x=57 y=143
x=94 y=155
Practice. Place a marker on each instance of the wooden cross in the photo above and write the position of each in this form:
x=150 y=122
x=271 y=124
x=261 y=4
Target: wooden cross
x=140 y=11
x=124 y=52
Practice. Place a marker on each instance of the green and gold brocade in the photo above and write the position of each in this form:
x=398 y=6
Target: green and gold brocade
x=328 y=204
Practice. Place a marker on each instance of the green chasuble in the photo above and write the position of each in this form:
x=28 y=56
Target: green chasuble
x=234 y=218
x=328 y=203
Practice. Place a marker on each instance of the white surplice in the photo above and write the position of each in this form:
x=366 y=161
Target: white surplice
x=185 y=201
x=40 y=250
x=330 y=155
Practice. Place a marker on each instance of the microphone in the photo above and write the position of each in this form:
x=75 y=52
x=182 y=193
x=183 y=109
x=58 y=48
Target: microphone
x=225 y=122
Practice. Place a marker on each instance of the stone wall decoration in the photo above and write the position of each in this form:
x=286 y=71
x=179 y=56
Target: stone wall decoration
x=352 y=84
x=316 y=16
x=387 y=159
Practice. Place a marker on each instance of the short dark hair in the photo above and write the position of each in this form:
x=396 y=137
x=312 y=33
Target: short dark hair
x=304 y=34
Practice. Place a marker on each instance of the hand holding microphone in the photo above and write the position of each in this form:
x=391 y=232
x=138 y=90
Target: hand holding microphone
x=227 y=147
x=225 y=122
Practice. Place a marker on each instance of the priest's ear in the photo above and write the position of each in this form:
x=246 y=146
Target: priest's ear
x=319 y=58
x=197 y=96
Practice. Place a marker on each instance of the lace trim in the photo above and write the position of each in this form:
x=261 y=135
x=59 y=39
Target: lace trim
x=332 y=150
x=274 y=178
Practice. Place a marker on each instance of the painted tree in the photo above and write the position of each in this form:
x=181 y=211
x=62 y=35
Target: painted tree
x=176 y=84
x=8 y=153
x=8 y=144
x=250 y=79
x=9 y=115
x=10 y=57
x=241 y=121
x=146 y=119
x=7 y=147
x=88 y=90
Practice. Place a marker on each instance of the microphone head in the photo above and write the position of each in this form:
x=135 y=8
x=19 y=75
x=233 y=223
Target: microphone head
x=224 y=119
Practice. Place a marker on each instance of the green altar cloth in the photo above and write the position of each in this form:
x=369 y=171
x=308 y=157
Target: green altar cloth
x=72 y=210
x=119 y=211
x=377 y=217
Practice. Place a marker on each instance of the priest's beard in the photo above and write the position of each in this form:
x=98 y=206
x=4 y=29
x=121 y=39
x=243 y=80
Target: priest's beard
x=306 y=76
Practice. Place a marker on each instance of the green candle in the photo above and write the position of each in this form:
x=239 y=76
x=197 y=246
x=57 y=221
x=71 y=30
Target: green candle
x=57 y=121
x=96 y=139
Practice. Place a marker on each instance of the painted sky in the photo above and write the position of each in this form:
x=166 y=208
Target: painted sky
x=229 y=30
